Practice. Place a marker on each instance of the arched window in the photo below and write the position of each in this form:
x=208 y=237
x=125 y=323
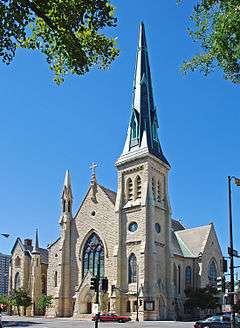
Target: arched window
x=188 y=277
x=179 y=279
x=17 y=281
x=175 y=275
x=93 y=256
x=129 y=189
x=17 y=262
x=154 y=189
x=138 y=186
x=212 y=274
x=44 y=284
x=132 y=269
x=158 y=191
x=55 y=279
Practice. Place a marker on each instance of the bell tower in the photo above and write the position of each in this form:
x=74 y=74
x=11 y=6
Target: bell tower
x=142 y=204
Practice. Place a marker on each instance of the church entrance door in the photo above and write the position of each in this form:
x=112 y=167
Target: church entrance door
x=89 y=307
x=85 y=300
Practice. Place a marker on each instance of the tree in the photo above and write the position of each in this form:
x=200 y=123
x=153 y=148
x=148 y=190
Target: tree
x=66 y=31
x=19 y=297
x=203 y=298
x=216 y=27
x=44 y=302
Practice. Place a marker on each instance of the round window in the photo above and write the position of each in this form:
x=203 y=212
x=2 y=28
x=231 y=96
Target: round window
x=157 y=227
x=133 y=226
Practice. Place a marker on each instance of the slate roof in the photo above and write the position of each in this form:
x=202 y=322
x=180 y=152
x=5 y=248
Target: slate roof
x=192 y=241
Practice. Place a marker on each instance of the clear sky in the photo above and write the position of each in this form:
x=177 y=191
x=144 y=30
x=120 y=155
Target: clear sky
x=46 y=129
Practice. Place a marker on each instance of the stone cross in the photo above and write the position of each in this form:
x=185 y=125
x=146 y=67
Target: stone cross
x=93 y=167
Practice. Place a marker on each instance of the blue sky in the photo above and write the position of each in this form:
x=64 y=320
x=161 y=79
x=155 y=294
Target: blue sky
x=46 y=129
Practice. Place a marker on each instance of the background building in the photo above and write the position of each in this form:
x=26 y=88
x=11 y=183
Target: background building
x=4 y=270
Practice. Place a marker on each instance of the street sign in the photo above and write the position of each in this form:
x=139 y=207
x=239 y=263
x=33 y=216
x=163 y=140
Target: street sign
x=95 y=308
x=233 y=252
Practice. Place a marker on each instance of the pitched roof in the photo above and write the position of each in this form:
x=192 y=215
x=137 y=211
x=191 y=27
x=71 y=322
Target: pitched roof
x=193 y=241
x=111 y=194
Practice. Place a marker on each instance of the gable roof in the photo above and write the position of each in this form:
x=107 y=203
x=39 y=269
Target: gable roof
x=193 y=240
x=18 y=242
x=112 y=195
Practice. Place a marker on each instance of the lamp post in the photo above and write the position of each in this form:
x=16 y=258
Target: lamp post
x=137 y=317
x=231 y=249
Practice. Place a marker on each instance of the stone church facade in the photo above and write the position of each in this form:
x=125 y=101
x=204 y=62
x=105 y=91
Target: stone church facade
x=130 y=234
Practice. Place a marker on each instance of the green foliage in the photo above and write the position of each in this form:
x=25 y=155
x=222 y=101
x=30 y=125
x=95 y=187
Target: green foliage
x=4 y=300
x=66 y=31
x=44 y=302
x=216 y=26
x=203 y=298
x=19 y=297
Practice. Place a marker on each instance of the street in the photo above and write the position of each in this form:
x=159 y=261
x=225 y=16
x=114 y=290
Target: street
x=60 y=323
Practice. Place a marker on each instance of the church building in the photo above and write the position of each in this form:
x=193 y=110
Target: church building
x=129 y=236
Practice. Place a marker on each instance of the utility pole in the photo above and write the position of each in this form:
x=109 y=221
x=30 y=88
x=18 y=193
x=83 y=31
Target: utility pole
x=97 y=293
x=231 y=254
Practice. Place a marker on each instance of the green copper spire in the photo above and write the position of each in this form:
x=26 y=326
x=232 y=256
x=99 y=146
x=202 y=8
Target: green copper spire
x=143 y=127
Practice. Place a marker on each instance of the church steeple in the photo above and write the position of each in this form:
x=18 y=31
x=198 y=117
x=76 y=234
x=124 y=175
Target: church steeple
x=142 y=132
x=36 y=246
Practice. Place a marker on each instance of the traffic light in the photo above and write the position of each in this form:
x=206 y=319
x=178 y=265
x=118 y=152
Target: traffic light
x=224 y=265
x=104 y=284
x=221 y=284
x=94 y=284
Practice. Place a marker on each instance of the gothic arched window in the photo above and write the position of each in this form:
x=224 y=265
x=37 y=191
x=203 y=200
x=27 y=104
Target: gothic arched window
x=44 y=284
x=132 y=269
x=188 y=277
x=154 y=189
x=158 y=192
x=55 y=279
x=93 y=256
x=175 y=275
x=17 y=262
x=212 y=274
x=138 y=186
x=179 y=279
x=17 y=281
x=129 y=189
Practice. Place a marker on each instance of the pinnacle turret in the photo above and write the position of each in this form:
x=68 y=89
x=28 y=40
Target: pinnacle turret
x=143 y=128
x=36 y=245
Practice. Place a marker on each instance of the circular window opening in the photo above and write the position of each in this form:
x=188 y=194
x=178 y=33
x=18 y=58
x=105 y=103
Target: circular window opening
x=133 y=226
x=157 y=227
x=93 y=213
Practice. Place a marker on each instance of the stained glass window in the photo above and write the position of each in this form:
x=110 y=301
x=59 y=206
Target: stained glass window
x=17 y=281
x=132 y=268
x=188 y=277
x=93 y=255
x=212 y=274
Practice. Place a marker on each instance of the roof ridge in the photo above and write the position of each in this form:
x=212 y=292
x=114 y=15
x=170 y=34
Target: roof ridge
x=187 y=229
